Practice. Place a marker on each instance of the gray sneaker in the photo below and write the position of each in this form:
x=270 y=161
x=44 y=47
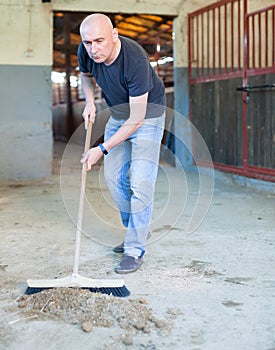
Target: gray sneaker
x=129 y=264
x=120 y=248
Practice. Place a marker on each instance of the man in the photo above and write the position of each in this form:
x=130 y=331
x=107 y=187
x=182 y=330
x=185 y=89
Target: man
x=134 y=131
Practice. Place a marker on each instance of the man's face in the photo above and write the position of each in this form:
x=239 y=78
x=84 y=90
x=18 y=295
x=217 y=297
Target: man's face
x=99 y=43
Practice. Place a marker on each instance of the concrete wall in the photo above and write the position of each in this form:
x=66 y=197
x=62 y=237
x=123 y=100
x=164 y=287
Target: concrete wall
x=25 y=121
x=25 y=66
x=25 y=89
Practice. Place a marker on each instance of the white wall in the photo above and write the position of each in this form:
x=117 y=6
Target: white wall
x=26 y=32
x=161 y=7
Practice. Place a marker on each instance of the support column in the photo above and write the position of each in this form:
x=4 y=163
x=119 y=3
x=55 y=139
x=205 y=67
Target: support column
x=183 y=137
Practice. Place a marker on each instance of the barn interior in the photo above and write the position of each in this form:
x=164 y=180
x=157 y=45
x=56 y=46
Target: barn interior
x=217 y=69
x=154 y=33
x=207 y=281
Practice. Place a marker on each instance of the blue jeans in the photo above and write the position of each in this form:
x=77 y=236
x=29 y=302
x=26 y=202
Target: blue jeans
x=130 y=171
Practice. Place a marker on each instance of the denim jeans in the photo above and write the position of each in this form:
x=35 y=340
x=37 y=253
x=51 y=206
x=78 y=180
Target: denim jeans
x=130 y=171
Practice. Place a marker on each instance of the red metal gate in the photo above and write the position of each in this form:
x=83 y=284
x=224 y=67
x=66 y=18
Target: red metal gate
x=231 y=85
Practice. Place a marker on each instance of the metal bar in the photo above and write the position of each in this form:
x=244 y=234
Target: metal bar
x=249 y=88
x=197 y=47
x=193 y=47
x=266 y=38
x=211 y=7
x=267 y=171
x=239 y=34
x=216 y=77
x=252 y=172
x=258 y=71
x=251 y=14
x=219 y=38
x=190 y=46
x=202 y=46
x=245 y=67
x=214 y=41
x=225 y=38
x=273 y=37
x=232 y=37
x=253 y=42
x=260 y=41
x=208 y=43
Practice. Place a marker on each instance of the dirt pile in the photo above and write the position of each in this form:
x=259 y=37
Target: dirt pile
x=88 y=310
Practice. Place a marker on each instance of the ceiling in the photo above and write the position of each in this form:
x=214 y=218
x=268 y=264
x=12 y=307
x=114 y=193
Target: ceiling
x=153 y=32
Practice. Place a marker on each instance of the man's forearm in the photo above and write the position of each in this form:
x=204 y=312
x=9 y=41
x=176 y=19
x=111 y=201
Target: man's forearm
x=138 y=106
x=125 y=131
x=87 y=88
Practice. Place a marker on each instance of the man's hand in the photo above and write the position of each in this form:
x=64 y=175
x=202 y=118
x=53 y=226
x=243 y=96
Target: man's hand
x=92 y=157
x=89 y=113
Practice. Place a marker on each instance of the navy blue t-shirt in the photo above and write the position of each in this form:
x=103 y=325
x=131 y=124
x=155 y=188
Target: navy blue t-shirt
x=129 y=75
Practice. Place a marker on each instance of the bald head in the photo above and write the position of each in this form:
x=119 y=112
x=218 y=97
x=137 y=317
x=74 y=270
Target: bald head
x=96 y=20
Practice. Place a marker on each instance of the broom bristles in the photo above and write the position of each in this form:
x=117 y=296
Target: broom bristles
x=113 y=287
x=115 y=291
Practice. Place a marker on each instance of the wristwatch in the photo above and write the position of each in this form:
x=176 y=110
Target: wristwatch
x=103 y=149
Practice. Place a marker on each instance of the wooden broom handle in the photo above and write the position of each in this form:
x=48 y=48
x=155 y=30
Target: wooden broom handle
x=81 y=201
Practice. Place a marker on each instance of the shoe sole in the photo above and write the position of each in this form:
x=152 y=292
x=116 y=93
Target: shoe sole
x=124 y=272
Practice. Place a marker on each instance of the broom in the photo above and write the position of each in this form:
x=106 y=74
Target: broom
x=113 y=287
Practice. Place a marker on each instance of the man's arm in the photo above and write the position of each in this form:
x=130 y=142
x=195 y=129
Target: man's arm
x=138 y=107
x=88 y=89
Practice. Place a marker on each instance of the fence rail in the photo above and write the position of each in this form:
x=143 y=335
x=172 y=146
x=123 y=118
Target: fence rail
x=231 y=67
x=260 y=41
x=216 y=41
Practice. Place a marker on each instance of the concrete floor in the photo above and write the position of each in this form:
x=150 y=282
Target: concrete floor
x=221 y=277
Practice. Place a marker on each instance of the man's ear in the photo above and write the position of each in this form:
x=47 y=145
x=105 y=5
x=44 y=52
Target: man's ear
x=115 y=34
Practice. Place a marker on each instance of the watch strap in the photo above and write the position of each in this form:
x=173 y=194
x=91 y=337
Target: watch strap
x=103 y=149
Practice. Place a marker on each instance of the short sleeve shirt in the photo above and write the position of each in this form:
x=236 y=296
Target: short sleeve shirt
x=129 y=75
